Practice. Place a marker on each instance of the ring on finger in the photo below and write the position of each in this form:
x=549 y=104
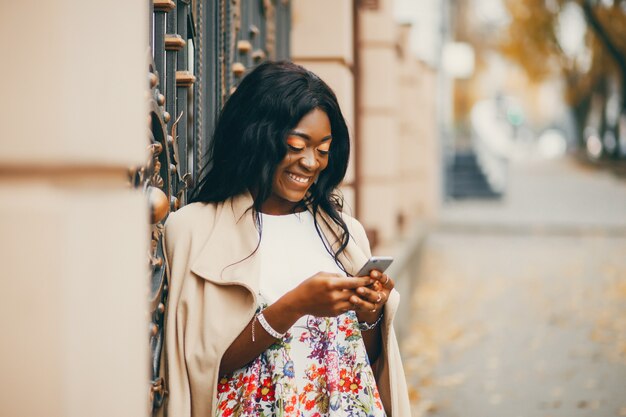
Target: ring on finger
x=374 y=311
x=380 y=297
x=387 y=280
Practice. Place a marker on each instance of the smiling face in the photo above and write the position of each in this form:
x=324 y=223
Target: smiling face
x=308 y=148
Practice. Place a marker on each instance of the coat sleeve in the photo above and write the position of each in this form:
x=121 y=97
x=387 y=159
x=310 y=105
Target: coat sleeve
x=177 y=245
x=388 y=369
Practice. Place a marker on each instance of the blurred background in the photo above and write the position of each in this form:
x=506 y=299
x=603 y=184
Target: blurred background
x=489 y=158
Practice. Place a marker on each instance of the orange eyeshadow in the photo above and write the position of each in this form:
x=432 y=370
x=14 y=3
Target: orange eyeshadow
x=324 y=146
x=296 y=142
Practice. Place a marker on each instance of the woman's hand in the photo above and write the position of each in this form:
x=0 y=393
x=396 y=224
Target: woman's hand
x=369 y=306
x=369 y=301
x=326 y=294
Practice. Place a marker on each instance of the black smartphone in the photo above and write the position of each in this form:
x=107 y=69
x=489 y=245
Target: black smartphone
x=379 y=263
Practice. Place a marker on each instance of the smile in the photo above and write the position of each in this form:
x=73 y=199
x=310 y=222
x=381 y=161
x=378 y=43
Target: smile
x=299 y=179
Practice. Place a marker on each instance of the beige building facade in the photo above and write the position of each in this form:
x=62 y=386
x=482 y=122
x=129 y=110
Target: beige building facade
x=73 y=235
x=388 y=97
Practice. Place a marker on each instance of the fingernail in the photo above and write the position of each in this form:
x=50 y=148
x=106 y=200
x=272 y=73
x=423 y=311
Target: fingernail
x=375 y=274
x=361 y=290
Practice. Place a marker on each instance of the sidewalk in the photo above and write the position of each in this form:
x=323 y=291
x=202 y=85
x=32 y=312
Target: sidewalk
x=520 y=306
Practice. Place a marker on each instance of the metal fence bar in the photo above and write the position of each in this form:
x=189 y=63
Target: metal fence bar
x=170 y=84
x=283 y=28
x=182 y=89
x=158 y=49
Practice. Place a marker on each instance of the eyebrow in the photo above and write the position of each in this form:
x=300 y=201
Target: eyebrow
x=307 y=137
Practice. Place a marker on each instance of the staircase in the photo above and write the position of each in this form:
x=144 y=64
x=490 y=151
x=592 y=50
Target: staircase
x=465 y=179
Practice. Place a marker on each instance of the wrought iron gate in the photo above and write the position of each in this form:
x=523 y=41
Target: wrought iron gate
x=199 y=50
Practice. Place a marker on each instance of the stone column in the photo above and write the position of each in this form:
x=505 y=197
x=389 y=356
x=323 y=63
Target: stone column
x=380 y=145
x=322 y=41
x=74 y=236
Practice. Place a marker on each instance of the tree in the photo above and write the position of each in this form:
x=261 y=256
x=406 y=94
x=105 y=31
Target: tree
x=594 y=75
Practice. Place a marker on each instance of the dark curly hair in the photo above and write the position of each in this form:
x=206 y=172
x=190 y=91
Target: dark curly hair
x=250 y=140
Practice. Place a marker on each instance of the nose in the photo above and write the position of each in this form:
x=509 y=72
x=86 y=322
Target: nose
x=309 y=161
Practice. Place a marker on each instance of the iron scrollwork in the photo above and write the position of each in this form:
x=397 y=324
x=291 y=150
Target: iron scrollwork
x=182 y=109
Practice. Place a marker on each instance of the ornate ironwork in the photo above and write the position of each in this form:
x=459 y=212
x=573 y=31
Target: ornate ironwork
x=199 y=50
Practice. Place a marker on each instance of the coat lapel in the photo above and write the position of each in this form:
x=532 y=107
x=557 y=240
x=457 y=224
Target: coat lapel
x=228 y=256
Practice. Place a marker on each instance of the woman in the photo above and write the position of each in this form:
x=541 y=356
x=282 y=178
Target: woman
x=264 y=316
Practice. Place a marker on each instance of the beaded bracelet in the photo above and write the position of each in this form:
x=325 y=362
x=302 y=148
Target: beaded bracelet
x=268 y=328
x=364 y=326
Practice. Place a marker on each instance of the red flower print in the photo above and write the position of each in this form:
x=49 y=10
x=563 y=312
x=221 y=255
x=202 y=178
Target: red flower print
x=228 y=412
x=222 y=385
x=355 y=385
x=266 y=392
x=317 y=372
x=347 y=384
x=344 y=381
x=309 y=405
x=250 y=388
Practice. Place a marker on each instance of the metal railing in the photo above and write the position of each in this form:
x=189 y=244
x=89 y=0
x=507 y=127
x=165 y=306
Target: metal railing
x=199 y=50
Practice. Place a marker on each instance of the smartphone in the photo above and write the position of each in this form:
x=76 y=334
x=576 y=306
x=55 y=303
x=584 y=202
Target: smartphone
x=379 y=263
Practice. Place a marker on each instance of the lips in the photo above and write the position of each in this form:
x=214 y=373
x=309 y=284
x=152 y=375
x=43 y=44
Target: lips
x=299 y=179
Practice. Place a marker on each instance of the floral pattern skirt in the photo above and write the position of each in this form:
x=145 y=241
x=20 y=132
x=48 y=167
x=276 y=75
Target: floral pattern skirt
x=333 y=378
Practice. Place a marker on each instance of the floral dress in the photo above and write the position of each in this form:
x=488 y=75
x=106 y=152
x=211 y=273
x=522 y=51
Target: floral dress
x=337 y=380
x=320 y=368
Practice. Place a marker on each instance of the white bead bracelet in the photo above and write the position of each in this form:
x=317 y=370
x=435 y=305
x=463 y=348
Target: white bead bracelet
x=268 y=328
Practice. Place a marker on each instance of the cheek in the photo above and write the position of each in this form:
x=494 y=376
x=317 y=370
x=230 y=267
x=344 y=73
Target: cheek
x=282 y=165
x=324 y=163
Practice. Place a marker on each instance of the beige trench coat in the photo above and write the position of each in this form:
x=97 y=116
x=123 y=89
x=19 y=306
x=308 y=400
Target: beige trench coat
x=212 y=297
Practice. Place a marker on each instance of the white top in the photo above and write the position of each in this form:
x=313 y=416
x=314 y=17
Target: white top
x=291 y=251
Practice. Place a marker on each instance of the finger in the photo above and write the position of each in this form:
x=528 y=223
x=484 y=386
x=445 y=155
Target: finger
x=376 y=286
x=351 y=283
x=371 y=295
x=331 y=274
x=376 y=274
x=362 y=305
x=387 y=282
x=346 y=306
x=344 y=295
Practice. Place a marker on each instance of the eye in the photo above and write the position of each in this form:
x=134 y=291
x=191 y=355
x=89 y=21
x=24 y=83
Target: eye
x=324 y=148
x=296 y=144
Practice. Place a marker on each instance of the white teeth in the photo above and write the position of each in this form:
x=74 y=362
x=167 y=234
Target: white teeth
x=302 y=180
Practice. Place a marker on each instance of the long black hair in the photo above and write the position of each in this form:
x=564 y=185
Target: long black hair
x=250 y=136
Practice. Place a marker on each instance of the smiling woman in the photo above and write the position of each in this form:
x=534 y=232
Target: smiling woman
x=254 y=327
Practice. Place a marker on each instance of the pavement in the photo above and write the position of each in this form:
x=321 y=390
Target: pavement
x=519 y=306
